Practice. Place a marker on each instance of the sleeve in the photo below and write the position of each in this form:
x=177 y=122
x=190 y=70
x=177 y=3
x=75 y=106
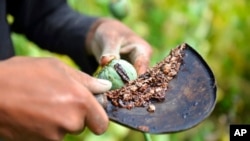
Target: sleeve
x=54 y=26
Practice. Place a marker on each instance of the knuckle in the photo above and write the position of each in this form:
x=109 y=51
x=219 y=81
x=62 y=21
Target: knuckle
x=74 y=124
x=55 y=138
x=58 y=136
x=73 y=121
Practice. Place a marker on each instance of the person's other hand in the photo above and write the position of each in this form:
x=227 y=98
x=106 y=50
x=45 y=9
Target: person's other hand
x=109 y=39
x=43 y=99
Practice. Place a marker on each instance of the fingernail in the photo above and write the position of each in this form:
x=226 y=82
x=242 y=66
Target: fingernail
x=106 y=59
x=105 y=82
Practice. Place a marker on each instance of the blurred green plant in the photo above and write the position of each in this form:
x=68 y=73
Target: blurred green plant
x=218 y=29
x=119 y=8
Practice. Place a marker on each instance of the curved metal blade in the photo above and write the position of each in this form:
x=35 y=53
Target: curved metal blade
x=189 y=100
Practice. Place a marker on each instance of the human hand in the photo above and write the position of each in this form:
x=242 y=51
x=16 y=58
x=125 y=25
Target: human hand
x=43 y=99
x=108 y=39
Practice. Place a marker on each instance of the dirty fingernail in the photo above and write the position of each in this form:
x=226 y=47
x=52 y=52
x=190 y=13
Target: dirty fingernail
x=105 y=82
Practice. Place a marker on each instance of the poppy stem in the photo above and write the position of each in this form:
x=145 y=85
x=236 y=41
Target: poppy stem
x=147 y=137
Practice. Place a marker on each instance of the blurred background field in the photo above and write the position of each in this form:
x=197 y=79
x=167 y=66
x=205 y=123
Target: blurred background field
x=218 y=29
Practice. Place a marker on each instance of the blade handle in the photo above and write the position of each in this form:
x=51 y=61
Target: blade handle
x=102 y=99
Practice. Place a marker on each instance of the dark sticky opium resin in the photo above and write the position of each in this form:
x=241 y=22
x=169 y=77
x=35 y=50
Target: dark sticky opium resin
x=121 y=72
x=149 y=87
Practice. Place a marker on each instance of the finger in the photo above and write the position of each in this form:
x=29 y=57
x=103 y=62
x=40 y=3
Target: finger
x=139 y=55
x=109 y=40
x=111 y=50
x=93 y=114
x=107 y=47
x=96 y=118
x=104 y=60
x=141 y=64
x=98 y=86
x=94 y=85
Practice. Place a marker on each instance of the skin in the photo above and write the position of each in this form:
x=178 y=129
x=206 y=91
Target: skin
x=43 y=99
x=46 y=99
x=109 y=39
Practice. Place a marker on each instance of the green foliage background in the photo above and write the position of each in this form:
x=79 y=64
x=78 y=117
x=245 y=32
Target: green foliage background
x=218 y=29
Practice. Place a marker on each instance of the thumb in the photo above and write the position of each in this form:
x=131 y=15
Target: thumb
x=110 y=48
x=106 y=41
x=97 y=86
x=93 y=84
